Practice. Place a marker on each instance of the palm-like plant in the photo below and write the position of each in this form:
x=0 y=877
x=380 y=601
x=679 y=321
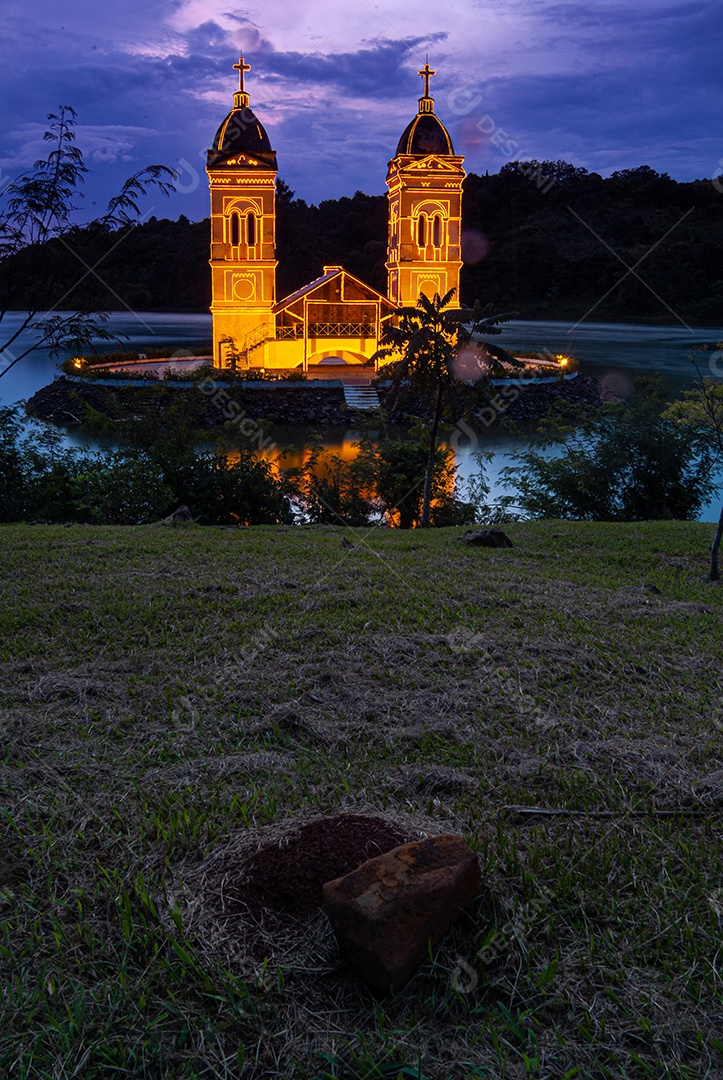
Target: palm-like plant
x=434 y=348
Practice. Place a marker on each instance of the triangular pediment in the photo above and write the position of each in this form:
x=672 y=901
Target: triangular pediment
x=336 y=286
x=433 y=163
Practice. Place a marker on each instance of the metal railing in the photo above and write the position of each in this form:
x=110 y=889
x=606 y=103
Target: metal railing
x=257 y=336
x=261 y=334
x=341 y=329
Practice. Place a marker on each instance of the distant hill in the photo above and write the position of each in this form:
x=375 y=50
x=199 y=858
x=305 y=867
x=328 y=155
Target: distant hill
x=545 y=259
x=529 y=240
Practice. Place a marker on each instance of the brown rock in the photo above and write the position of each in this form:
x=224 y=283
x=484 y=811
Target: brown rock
x=181 y=516
x=386 y=913
x=493 y=538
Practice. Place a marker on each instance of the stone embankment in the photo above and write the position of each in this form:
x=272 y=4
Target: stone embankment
x=525 y=403
x=213 y=404
x=69 y=401
x=529 y=404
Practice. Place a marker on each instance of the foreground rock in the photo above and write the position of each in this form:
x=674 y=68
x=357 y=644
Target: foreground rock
x=492 y=538
x=179 y=516
x=386 y=913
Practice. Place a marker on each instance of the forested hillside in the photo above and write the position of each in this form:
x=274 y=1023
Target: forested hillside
x=545 y=259
x=530 y=245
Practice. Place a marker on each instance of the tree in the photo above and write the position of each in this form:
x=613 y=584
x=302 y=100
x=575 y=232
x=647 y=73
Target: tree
x=393 y=470
x=398 y=469
x=425 y=344
x=328 y=489
x=702 y=413
x=38 y=207
x=43 y=480
x=626 y=462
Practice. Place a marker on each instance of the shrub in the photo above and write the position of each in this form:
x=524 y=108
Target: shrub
x=117 y=489
x=219 y=491
x=627 y=463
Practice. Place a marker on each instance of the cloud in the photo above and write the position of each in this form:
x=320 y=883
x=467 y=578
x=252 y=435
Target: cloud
x=103 y=145
x=208 y=38
x=380 y=70
x=605 y=84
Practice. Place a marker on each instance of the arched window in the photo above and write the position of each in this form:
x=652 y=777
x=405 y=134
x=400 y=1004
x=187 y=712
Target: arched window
x=235 y=229
x=437 y=231
x=251 y=230
x=422 y=230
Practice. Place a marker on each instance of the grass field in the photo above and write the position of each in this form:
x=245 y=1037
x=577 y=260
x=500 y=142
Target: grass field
x=171 y=698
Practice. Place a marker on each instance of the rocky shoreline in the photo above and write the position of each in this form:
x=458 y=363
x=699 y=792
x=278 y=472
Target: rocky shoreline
x=212 y=405
x=520 y=404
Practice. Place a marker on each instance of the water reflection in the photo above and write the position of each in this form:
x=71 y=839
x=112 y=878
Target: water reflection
x=616 y=352
x=291 y=450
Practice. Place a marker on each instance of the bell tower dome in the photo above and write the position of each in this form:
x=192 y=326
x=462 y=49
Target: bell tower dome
x=425 y=208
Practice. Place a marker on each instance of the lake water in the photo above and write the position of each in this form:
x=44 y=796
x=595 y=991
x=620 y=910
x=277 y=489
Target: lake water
x=615 y=352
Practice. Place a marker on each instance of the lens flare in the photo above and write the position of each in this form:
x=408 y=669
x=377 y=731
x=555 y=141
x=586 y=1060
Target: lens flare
x=475 y=246
x=469 y=364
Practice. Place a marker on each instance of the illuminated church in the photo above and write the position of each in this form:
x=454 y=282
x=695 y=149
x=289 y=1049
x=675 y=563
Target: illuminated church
x=337 y=315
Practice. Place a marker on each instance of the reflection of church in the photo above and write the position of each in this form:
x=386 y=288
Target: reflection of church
x=337 y=315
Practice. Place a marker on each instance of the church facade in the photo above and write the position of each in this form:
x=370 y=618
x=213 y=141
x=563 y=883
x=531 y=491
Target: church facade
x=337 y=316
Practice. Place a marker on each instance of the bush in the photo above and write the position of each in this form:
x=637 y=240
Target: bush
x=42 y=480
x=329 y=490
x=14 y=467
x=116 y=489
x=219 y=491
x=450 y=511
x=396 y=468
x=384 y=482
x=160 y=468
x=628 y=463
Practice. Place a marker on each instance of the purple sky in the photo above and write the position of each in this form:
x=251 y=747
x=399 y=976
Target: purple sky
x=608 y=84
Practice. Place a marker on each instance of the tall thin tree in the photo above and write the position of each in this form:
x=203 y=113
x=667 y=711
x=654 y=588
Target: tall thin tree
x=702 y=410
x=38 y=206
x=433 y=349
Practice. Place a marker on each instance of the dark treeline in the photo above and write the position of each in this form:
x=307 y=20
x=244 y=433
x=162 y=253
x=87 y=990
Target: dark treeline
x=158 y=266
x=530 y=246
x=545 y=260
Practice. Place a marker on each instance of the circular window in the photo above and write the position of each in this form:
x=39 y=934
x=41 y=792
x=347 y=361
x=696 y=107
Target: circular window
x=243 y=288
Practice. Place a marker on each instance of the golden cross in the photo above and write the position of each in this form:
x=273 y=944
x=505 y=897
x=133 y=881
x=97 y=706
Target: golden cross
x=241 y=68
x=426 y=72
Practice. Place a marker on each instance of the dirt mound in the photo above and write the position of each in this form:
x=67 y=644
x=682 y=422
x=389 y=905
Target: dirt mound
x=286 y=877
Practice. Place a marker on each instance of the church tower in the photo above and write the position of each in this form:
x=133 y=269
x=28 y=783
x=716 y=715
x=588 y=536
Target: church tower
x=242 y=171
x=425 y=209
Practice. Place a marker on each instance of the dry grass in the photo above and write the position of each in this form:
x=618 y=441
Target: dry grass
x=172 y=698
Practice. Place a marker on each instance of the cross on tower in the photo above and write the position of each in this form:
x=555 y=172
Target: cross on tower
x=426 y=72
x=242 y=69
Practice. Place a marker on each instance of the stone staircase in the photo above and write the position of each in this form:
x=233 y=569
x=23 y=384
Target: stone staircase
x=361 y=397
